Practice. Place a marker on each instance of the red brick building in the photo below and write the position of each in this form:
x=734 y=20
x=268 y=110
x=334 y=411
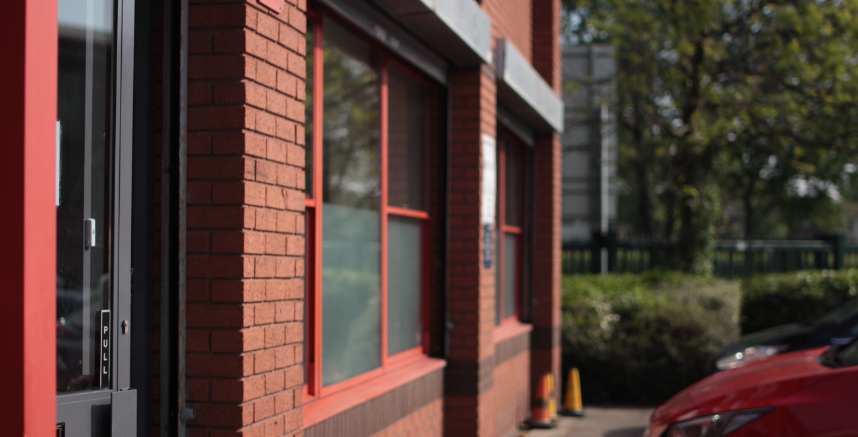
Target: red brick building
x=280 y=217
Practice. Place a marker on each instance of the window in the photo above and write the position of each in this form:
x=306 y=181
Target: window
x=509 y=248
x=367 y=215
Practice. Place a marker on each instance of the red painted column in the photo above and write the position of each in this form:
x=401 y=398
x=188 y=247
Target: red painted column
x=28 y=84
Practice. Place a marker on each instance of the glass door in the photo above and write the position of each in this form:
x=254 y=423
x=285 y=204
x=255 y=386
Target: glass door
x=93 y=276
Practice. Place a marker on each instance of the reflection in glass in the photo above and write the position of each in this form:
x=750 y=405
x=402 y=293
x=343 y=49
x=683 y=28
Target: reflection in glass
x=84 y=184
x=406 y=139
x=404 y=283
x=351 y=233
x=514 y=184
x=510 y=269
x=308 y=108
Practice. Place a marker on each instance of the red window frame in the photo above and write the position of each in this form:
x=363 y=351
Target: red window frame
x=313 y=388
x=505 y=229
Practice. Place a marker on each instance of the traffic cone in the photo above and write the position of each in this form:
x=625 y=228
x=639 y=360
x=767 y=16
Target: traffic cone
x=540 y=417
x=572 y=404
x=552 y=398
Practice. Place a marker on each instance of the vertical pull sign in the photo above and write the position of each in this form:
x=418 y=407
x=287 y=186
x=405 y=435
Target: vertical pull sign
x=104 y=350
x=89 y=233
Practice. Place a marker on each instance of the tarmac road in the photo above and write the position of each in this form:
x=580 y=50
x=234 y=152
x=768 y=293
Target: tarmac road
x=600 y=422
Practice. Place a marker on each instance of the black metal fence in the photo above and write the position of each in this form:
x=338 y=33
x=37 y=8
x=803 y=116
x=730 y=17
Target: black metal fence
x=732 y=258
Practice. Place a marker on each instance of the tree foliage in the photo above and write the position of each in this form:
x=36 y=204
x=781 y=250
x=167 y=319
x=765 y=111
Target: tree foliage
x=750 y=101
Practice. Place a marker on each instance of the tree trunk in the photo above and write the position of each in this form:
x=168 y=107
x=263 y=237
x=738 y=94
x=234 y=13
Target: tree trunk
x=747 y=199
x=644 y=204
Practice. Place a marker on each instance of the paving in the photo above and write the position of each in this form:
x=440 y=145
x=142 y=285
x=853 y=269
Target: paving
x=599 y=422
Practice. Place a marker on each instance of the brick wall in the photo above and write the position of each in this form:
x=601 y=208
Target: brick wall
x=425 y=422
x=468 y=376
x=513 y=20
x=509 y=402
x=245 y=218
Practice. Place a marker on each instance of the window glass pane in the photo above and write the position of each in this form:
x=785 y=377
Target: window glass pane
x=84 y=185
x=510 y=274
x=406 y=141
x=514 y=185
x=496 y=263
x=404 y=283
x=308 y=109
x=351 y=225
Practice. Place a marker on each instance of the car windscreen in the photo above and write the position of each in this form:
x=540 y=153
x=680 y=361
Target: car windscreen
x=840 y=314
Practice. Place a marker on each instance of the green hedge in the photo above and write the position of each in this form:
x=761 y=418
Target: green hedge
x=639 y=339
x=777 y=299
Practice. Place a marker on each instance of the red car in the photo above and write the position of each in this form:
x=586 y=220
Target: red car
x=805 y=393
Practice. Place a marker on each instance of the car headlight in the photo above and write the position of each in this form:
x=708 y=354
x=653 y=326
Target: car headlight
x=716 y=425
x=748 y=355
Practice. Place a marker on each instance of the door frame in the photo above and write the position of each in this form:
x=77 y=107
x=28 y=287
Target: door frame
x=69 y=405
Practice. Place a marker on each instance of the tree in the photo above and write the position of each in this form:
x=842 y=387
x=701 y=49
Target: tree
x=718 y=95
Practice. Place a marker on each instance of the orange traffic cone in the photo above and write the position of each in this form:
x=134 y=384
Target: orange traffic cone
x=540 y=417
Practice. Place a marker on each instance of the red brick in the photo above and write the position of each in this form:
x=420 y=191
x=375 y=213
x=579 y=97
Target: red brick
x=234 y=41
x=229 y=15
x=226 y=366
x=297 y=65
x=294 y=376
x=198 y=390
x=295 y=110
x=285 y=128
x=224 y=415
x=244 y=340
x=220 y=217
x=265 y=123
x=266 y=172
x=204 y=266
x=216 y=118
x=283 y=401
x=277 y=148
x=219 y=316
x=294 y=199
x=274 y=382
x=294 y=332
x=265 y=267
x=289 y=37
x=284 y=356
x=199 y=143
x=266 y=220
x=288 y=84
x=238 y=390
x=238 y=291
x=263 y=361
x=268 y=27
x=294 y=420
x=199 y=94
x=263 y=409
x=275 y=289
x=264 y=313
x=274 y=198
x=275 y=335
x=197 y=341
x=275 y=244
x=218 y=67
x=295 y=245
x=286 y=221
x=199 y=193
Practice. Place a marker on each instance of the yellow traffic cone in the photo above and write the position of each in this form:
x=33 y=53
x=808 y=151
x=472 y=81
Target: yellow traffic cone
x=572 y=404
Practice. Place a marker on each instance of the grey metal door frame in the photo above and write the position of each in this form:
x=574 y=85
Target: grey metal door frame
x=113 y=411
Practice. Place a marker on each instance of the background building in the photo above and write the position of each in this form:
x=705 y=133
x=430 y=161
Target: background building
x=590 y=141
